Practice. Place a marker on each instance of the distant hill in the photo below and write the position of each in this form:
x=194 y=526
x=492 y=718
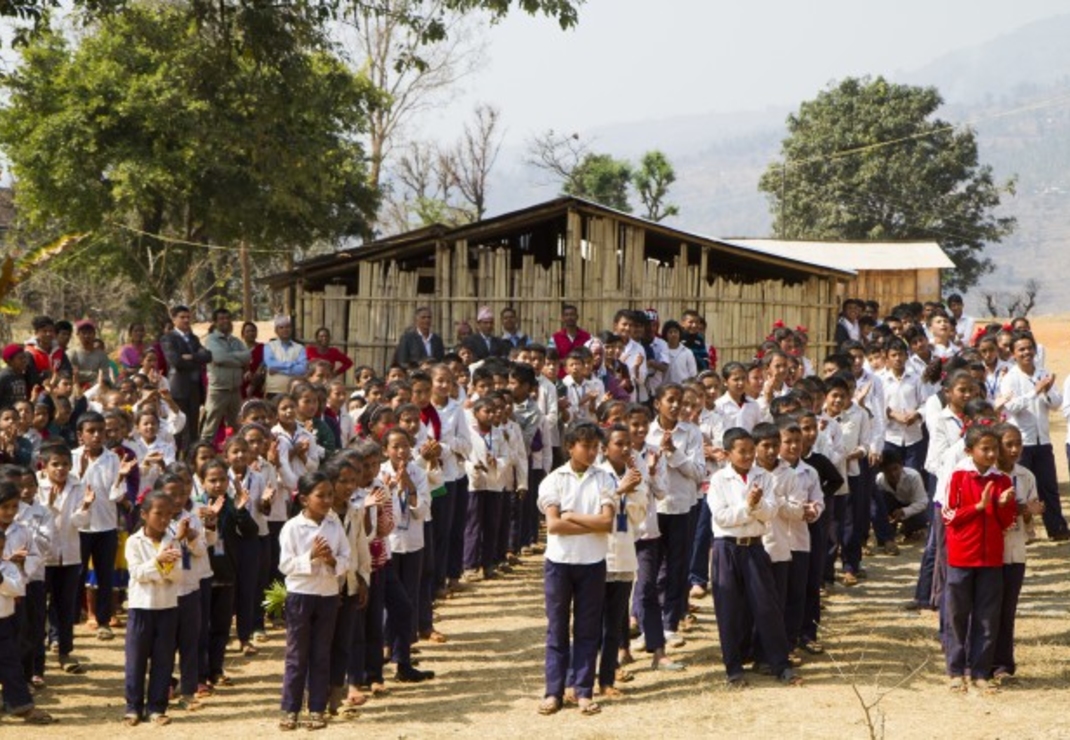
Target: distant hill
x=1014 y=90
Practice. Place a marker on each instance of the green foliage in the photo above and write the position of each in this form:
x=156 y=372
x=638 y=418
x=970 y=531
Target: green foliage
x=159 y=136
x=652 y=181
x=274 y=600
x=603 y=179
x=866 y=159
x=18 y=267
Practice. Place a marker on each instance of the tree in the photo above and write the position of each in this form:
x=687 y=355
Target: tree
x=1015 y=304
x=474 y=156
x=652 y=181
x=172 y=148
x=867 y=159
x=603 y=179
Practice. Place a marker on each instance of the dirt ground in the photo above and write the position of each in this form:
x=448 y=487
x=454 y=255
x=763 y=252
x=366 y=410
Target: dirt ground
x=490 y=673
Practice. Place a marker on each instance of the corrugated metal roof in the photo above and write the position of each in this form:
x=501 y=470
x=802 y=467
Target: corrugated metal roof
x=855 y=255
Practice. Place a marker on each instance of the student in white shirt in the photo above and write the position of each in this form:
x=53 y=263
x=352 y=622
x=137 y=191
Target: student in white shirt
x=903 y=491
x=69 y=502
x=584 y=393
x=36 y=518
x=680 y=359
x=579 y=501
x=447 y=511
x=486 y=460
x=246 y=550
x=1031 y=396
x=735 y=407
x=315 y=553
x=742 y=501
x=18 y=553
x=269 y=514
x=155 y=564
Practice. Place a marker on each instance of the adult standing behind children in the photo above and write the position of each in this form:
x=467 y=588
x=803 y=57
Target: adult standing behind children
x=420 y=342
x=322 y=350
x=571 y=335
x=230 y=358
x=284 y=358
x=186 y=359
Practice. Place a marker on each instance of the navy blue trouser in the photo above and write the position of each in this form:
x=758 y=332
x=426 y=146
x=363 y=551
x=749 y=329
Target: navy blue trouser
x=781 y=580
x=614 y=634
x=246 y=585
x=1003 y=652
x=16 y=691
x=406 y=568
x=219 y=628
x=373 y=630
x=342 y=642
x=699 y=572
x=973 y=598
x=673 y=550
x=204 y=637
x=32 y=617
x=263 y=580
x=424 y=608
x=1040 y=461
x=456 y=562
x=745 y=601
x=442 y=513
x=855 y=528
x=62 y=583
x=101 y=547
x=309 y=625
x=645 y=604
x=815 y=573
x=924 y=591
x=399 y=617
x=795 y=603
x=358 y=652
x=529 y=533
x=837 y=512
x=150 y=651
x=576 y=594
x=187 y=640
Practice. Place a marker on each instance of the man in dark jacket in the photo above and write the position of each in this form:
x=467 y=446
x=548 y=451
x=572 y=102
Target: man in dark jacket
x=420 y=342
x=186 y=360
x=483 y=343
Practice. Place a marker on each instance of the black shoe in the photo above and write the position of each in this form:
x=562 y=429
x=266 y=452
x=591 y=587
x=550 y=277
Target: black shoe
x=409 y=674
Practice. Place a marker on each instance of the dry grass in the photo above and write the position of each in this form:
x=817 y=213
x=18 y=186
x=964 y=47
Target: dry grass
x=490 y=673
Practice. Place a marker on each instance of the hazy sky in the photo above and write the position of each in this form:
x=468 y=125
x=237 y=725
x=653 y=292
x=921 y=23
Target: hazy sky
x=642 y=59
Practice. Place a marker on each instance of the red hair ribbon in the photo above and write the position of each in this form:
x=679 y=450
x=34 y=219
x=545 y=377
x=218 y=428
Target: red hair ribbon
x=802 y=330
x=778 y=324
x=1008 y=327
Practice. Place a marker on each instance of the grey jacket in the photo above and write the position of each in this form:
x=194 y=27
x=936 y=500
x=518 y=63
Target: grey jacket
x=230 y=357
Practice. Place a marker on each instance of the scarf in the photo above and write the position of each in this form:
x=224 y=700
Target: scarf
x=429 y=416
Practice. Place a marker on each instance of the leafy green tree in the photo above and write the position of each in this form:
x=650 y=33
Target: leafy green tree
x=652 y=181
x=166 y=144
x=603 y=179
x=868 y=159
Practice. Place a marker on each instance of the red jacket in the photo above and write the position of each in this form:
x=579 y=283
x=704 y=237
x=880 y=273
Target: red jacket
x=975 y=538
x=565 y=345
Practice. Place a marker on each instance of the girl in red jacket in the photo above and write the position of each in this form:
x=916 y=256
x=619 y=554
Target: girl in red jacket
x=980 y=506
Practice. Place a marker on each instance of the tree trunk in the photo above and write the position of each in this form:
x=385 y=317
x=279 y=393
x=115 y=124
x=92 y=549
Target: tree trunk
x=246 y=284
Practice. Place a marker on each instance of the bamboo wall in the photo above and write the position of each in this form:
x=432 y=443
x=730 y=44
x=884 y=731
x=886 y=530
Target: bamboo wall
x=892 y=287
x=606 y=271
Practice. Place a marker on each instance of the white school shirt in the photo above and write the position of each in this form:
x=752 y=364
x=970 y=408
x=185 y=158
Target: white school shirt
x=910 y=492
x=253 y=483
x=995 y=376
x=12 y=587
x=515 y=475
x=575 y=393
x=686 y=466
x=489 y=452
x=682 y=365
x=584 y=493
x=789 y=501
x=631 y=351
x=303 y=574
x=902 y=394
x=745 y=416
x=874 y=404
x=1025 y=490
x=102 y=475
x=279 y=511
x=408 y=534
x=37 y=519
x=858 y=431
x=290 y=470
x=141 y=448
x=955 y=458
x=455 y=440
x=68 y=517
x=551 y=433
x=189 y=580
x=18 y=537
x=152 y=586
x=1027 y=410
x=964 y=329
x=830 y=441
x=809 y=482
x=620 y=556
x=730 y=515
x=433 y=473
x=657 y=483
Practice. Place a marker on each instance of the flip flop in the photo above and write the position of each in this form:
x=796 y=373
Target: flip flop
x=549 y=705
x=590 y=708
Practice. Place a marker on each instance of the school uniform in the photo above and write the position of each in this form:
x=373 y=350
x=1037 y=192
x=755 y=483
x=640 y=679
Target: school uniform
x=744 y=415
x=1029 y=412
x=576 y=393
x=311 y=608
x=234 y=526
x=524 y=525
x=63 y=567
x=406 y=545
x=974 y=590
x=488 y=457
x=903 y=394
x=686 y=468
x=15 y=690
x=346 y=642
x=149 y=473
x=777 y=540
x=246 y=551
x=711 y=424
x=681 y=362
x=646 y=606
x=909 y=497
x=575 y=576
x=151 y=626
x=37 y=520
x=1014 y=557
x=100 y=536
x=192 y=570
x=515 y=478
x=807 y=490
x=744 y=590
x=267 y=533
x=854 y=516
x=448 y=512
x=436 y=489
x=830 y=481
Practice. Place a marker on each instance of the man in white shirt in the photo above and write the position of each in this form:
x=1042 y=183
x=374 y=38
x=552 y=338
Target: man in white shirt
x=633 y=356
x=963 y=324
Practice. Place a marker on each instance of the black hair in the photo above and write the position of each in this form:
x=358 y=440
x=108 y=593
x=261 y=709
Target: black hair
x=889 y=457
x=523 y=374
x=154 y=495
x=54 y=448
x=585 y=431
x=637 y=408
x=731 y=367
x=89 y=417
x=42 y=322
x=8 y=492
x=665 y=388
x=308 y=482
x=765 y=431
x=733 y=435
x=977 y=432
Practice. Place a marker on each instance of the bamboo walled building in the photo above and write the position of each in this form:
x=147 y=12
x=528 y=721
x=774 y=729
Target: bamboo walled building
x=567 y=250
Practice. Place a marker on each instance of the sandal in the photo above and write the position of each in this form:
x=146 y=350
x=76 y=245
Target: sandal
x=813 y=647
x=288 y=721
x=105 y=634
x=986 y=687
x=159 y=719
x=549 y=705
x=353 y=701
x=72 y=667
x=624 y=676
x=570 y=696
x=38 y=682
x=790 y=678
x=249 y=650
x=316 y=721
x=203 y=691
x=222 y=680
x=610 y=692
x=737 y=684
x=957 y=685
x=667 y=665
x=36 y=716
x=91 y=624
x=131 y=720
x=589 y=707
x=187 y=703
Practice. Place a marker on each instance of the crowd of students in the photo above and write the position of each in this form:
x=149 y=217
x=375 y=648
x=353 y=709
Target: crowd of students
x=657 y=476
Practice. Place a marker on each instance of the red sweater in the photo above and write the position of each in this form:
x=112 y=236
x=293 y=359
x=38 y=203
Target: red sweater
x=565 y=345
x=975 y=538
